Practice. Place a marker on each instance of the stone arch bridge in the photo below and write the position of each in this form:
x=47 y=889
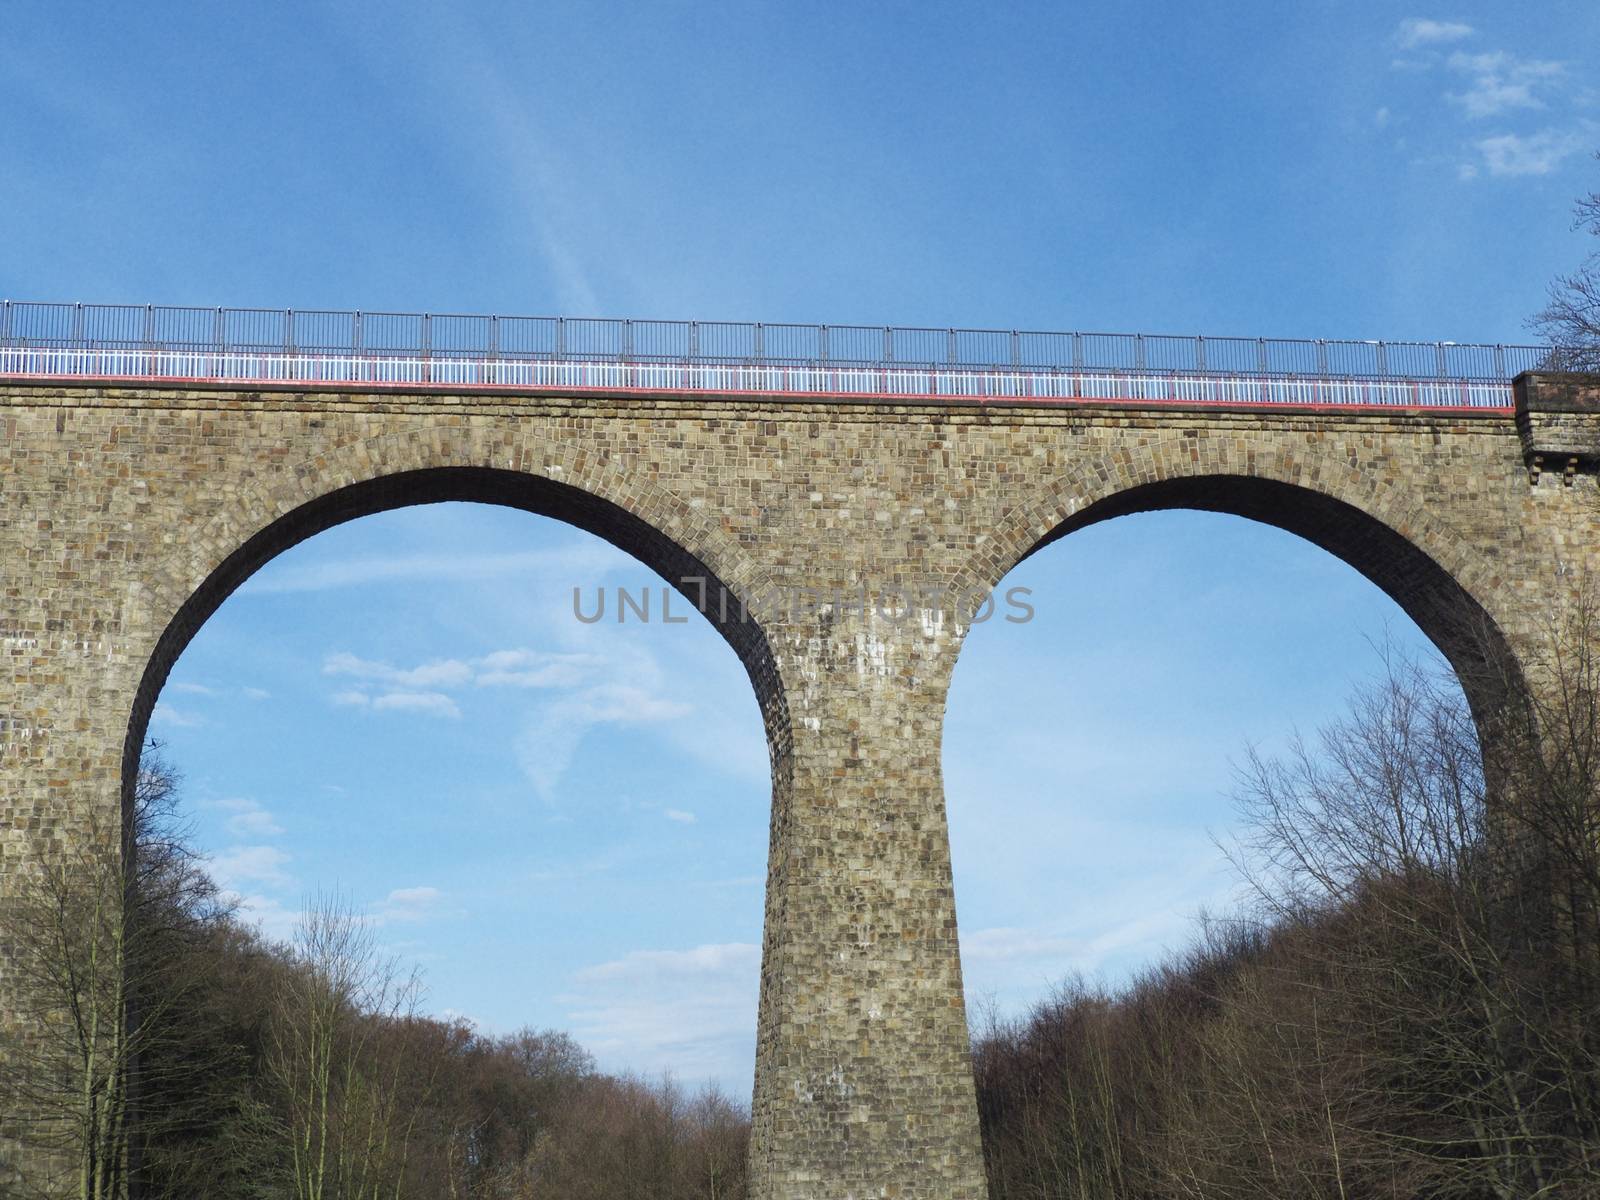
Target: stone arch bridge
x=137 y=491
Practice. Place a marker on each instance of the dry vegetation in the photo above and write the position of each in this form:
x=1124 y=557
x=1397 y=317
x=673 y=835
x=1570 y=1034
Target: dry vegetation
x=216 y=1064
x=1410 y=1010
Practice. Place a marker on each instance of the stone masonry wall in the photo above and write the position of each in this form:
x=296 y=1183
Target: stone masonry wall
x=126 y=514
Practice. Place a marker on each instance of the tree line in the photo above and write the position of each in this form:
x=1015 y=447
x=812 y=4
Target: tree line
x=1409 y=1007
x=169 y=1050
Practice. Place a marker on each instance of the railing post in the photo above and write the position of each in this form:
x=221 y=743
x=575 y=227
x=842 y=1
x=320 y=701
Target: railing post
x=1383 y=359
x=357 y=335
x=5 y=324
x=288 y=343
x=1077 y=351
x=694 y=339
x=1438 y=358
x=219 y=331
x=1200 y=352
x=1261 y=356
x=561 y=337
x=759 y=343
x=1138 y=351
x=888 y=344
x=1499 y=361
x=77 y=328
x=822 y=342
x=950 y=348
x=1016 y=348
x=627 y=340
x=1322 y=356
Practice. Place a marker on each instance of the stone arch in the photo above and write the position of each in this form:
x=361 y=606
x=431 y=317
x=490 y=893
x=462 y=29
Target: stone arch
x=256 y=523
x=1371 y=525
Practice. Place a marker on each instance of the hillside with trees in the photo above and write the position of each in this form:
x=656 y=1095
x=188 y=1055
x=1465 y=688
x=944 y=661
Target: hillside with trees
x=182 y=1054
x=1408 y=1010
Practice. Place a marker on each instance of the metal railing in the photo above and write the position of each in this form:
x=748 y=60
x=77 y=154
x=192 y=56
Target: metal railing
x=408 y=349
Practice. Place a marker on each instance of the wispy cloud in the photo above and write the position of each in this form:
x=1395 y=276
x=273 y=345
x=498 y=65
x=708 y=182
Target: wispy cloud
x=409 y=905
x=1417 y=33
x=1495 y=84
x=1509 y=154
x=588 y=701
x=691 y=1012
x=578 y=691
x=1005 y=943
x=551 y=736
x=261 y=864
x=657 y=966
x=431 y=704
x=534 y=669
x=166 y=714
x=444 y=672
x=249 y=818
x=579 y=561
x=679 y=815
x=1500 y=82
x=267 y=913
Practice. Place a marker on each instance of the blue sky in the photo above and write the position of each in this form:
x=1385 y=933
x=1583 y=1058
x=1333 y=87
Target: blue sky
x=566 y=824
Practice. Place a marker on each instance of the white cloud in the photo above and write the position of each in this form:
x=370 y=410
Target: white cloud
x=1415 y=32
x=255 y=693
x=424 y=689
x=166 y=714
x=249 y=819
x=409 y=905
x=1382 y=117
x=1501 y=81
x=534 y=669
x=603 y=682
x=679 y=815
x=1004 y=943
x=655 y=966
x=275 y=919
x=435 y=704
x=192 y=689
x=691 y=1012
x=413 y=895
x=443 y=672
x=251 y=864
x=579 y=560
x=552 y=735
x=1509 y=154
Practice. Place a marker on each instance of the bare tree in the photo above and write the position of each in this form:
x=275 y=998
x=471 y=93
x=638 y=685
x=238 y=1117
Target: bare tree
x=1447 y=955
x=339 y=1056
x=94 y=932
x=1571 y=321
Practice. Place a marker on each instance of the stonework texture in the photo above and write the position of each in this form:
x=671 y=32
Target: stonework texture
x=127 y=514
